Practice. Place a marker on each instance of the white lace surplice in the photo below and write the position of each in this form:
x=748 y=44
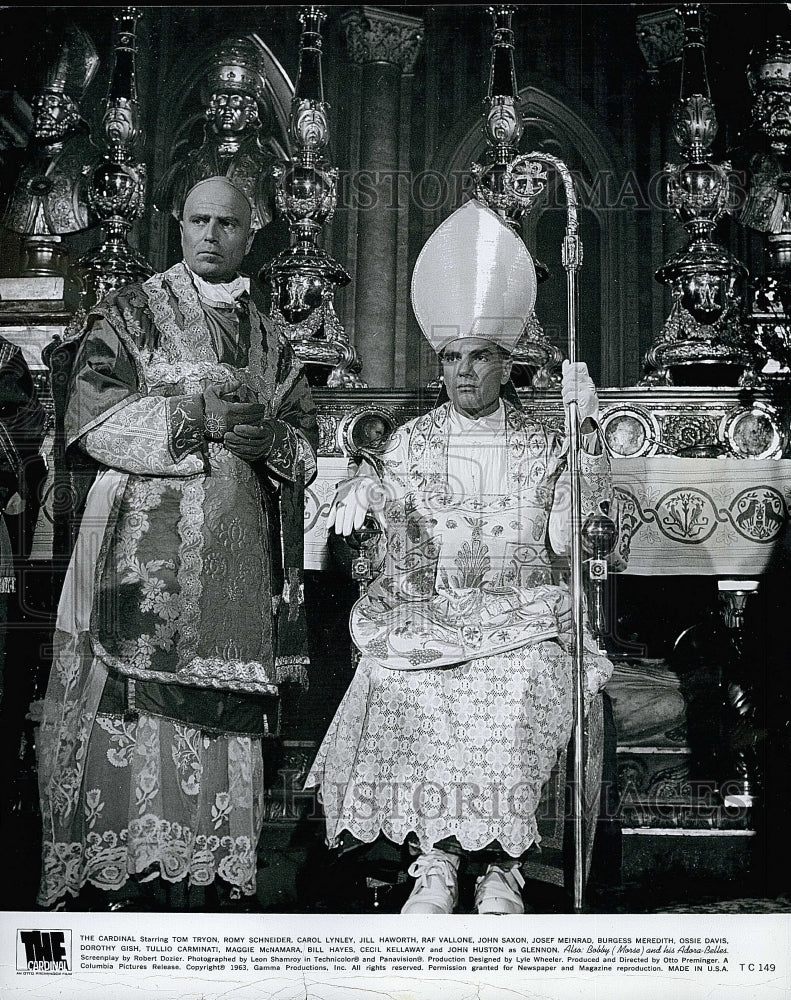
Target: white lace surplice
x=463 y=697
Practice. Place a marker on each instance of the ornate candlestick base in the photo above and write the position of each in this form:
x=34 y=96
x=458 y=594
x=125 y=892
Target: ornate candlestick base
x=330 y=362
x=536 y=362
x=44 y=256
x=304 y=279
x=705 y=340
x=689 y=353
x=113 y=265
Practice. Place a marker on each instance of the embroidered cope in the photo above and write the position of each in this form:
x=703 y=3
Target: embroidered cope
x=168 y=638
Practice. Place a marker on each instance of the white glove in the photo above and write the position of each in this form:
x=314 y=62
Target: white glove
x=577 y=387
x=353 y=500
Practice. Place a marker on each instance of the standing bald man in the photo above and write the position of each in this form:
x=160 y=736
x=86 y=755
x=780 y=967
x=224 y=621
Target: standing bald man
x=182 y=608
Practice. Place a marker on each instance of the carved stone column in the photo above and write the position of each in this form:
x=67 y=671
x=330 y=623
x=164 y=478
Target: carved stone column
x=660 y=36
x=385 y=44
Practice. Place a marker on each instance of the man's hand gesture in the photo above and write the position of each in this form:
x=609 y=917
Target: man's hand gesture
x=353 y=500
x=251 y=441
x=222 y=411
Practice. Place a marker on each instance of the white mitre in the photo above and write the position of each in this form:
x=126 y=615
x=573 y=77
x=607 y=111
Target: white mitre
x=473 y=278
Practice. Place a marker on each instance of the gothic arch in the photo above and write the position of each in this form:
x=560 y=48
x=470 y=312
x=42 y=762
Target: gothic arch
x=585 y=142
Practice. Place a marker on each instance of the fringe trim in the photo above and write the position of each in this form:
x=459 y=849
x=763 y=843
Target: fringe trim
x=292 y=668
x=293 y=592
x=7 y=585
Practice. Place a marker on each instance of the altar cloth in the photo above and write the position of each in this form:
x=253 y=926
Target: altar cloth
x=702 y=516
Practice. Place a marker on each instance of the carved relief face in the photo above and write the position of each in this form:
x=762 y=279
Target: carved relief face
x=310 y=127
x=503 y=124
x=753 y=434
x=54 y=116
x=694 y=120
x=370 y=431
x=625 y=435
x=231 y=113
x=772 y=114
x=118 y=125
x=299 y=295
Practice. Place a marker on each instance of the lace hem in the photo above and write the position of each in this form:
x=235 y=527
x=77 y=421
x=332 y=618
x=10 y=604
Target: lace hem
x=174 y=852
x=429 y=837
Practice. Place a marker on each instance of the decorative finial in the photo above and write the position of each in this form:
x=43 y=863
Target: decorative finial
x=704 y=340
x=117 y=185
x=304 y=277
x=511 y=188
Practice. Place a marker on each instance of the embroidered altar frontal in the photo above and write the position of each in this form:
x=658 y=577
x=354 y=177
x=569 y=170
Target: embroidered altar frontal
x=719 y=517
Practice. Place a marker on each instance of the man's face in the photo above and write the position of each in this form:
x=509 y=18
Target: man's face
x=215 y=231
x=474 y=371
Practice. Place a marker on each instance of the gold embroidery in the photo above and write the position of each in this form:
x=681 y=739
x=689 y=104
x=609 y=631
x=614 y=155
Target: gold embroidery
x=190 y=569
x=191 y=341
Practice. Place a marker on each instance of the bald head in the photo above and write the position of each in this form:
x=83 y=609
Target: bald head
x=215 y=229
x=217 y=188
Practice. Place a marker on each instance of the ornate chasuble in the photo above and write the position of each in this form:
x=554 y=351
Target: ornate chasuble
x=189 y=572
x=468 y=571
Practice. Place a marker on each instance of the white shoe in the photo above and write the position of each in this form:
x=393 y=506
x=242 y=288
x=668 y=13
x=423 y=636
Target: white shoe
x=436 y=888
x=498 y=891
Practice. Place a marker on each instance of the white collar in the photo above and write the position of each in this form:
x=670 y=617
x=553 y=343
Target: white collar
x=222 y=292
x=494 y=421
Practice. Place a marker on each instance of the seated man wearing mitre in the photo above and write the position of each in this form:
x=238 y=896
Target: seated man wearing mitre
x=462 y=700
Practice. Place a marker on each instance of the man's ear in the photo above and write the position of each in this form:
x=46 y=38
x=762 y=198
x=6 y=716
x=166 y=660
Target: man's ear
x=250 y=239
x=508 y=364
